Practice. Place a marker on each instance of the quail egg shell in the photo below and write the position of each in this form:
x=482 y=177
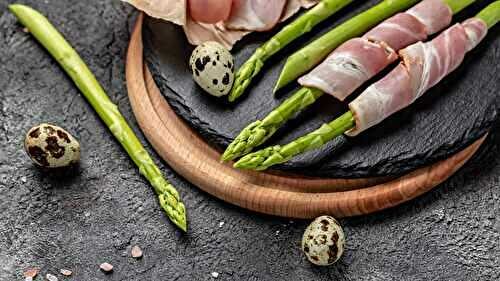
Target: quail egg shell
x=213 y=68
x=323 y=241
x=51 y=146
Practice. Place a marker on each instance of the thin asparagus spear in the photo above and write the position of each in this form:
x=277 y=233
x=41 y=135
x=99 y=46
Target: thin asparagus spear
x=263 y=159
x=258 y=132
x=309 y=56
x=490 y=14
x=292 y=31
x=270 y=156
x=74 y=66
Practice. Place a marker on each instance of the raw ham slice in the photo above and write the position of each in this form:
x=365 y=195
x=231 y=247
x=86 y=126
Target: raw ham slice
x=170 y=10
x=176 y=11
x=424 y=65
x=209 y=11
x=434 y=14
x=358 y=59
x=197 y=33
x=255 y=15
x=293 y=6
x=344 y=70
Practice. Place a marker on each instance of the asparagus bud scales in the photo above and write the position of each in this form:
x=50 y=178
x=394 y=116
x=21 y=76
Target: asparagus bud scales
x=265 y=158
x=294 y=30
x=71 y=62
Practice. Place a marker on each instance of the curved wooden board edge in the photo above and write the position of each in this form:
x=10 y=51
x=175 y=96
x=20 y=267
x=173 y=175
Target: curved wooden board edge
x=205 y=154
x=277 y=195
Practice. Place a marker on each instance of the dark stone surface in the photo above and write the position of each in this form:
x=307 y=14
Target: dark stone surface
x=98 y=214
x=446 y=120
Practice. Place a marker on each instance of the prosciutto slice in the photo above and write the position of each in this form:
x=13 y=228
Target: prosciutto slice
x=423 y=66
x=197 y=33
x=359 y=59
x=255 y=15
x=176 y=11
x=170 y=10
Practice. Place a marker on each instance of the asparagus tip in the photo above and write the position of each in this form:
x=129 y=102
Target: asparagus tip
x=240 y=165
x=182 y=225
x=286 y=76
x=234 y=94
x=225 y=157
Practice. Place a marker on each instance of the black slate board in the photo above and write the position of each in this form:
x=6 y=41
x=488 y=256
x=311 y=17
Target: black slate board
x=448 y=118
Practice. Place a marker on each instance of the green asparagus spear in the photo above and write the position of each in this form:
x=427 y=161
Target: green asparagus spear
x=259 y=131
x=270 y=156
x=294 y=30
x=263 y=159
x=490 y=14
x=309 y=56
x=74 y=66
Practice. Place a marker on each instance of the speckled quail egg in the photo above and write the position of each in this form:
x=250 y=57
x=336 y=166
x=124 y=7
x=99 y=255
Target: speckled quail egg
x=213 y=68
x=50 y=146
x=323 y=241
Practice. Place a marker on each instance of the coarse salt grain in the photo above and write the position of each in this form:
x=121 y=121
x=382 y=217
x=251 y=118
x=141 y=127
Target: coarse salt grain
x=66 y=272
x=51 y=277
x=106 y=267
x=214 y=274
x=136 y=252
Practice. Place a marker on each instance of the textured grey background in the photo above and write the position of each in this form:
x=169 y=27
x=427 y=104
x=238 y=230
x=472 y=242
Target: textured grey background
x=451 y=233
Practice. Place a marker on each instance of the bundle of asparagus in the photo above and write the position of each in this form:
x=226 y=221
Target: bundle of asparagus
x=424 y=65
x=347 y=68
x=324 y=45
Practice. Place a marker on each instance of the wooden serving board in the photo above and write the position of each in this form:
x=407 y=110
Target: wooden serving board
x=276 y=194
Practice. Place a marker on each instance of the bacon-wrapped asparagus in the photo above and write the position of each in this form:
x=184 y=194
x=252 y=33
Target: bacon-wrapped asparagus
x=351 y=65
x=423 y=66
x=358 y=60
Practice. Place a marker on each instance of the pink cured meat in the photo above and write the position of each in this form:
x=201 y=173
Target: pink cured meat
x=343 y=71
x=424 y=65
x=399 y=31
x=434 y=14
x=255 y=15
x=358 y=60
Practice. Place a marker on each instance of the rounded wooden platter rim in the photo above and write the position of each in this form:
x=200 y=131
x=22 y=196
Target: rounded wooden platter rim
x=276 y=194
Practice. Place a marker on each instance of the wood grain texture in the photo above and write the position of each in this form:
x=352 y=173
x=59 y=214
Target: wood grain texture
x=288 y=196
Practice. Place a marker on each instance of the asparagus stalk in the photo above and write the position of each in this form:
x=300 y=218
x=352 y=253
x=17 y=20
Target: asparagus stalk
x=294 y=30
x=270 y=156
x=263 y=159
x=258 y=132
x=74 y=66
x=490 y=14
